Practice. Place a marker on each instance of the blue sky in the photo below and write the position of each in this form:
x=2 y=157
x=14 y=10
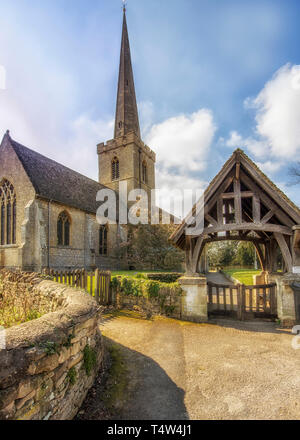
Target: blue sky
x=210 y=76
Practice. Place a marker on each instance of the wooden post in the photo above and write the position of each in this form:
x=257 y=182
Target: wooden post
x=109 y=293
x=240 y=302
x=97 y=279
x=218 y=297
x=85 y=280
x=231 y=299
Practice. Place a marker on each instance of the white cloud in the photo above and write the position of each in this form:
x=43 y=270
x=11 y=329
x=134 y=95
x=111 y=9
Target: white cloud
x=235 y=140
x=269 y=167
x=257 y=147
x=277 y=116
x=182 y=144
x=168 y=182
x=278 y=112
x=183 y=141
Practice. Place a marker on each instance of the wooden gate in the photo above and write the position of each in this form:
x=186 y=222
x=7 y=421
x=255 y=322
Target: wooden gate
x=97 y=283
x=242 y=302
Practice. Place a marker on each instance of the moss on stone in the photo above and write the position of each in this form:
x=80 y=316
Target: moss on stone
x=89 y=359
x=72 y=375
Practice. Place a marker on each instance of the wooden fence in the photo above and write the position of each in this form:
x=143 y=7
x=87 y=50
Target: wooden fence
x=242 y=301
x=97 y=283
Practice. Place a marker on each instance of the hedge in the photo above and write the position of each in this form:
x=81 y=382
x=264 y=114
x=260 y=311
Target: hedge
x=164 y=277
x=144 y=287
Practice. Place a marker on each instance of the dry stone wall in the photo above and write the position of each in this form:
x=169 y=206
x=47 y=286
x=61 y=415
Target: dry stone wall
x=50 y=363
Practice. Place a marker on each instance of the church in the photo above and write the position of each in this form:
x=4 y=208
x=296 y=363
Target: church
x=48 y=211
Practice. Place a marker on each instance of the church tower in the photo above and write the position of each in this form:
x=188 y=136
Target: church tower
x=126 y=157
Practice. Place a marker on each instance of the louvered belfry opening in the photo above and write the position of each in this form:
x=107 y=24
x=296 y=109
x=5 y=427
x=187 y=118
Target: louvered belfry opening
x=115 y=169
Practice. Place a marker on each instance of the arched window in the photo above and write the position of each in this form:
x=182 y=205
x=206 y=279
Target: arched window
x=144 y=172
x=63 y=229
x=8 y=213
x=103 y=240
x=115 y=169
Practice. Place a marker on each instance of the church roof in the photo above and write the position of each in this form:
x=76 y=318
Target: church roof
x=55 y=182
x=127 y=119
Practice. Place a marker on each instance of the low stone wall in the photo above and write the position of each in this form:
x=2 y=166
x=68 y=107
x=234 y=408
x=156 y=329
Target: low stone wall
x=152 y=306
x=50 y=363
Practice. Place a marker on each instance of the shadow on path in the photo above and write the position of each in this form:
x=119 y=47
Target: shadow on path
x=135 y=388
x=258 y=326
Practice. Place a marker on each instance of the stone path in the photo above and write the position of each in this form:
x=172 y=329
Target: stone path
x=218 y=278
x=221 y=370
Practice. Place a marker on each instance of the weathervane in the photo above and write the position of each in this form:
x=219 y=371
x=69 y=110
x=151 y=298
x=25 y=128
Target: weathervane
x=124 y=5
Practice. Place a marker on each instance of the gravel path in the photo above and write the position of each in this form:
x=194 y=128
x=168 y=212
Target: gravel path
x=221 y=370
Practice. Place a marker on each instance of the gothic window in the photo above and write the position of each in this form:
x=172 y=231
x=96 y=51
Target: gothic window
x=115 y=169
x=63 y=229
x=8 y=212
x=144 y=172
x=103 y=240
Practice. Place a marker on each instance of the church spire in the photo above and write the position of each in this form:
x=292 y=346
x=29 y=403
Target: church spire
x=127 y=119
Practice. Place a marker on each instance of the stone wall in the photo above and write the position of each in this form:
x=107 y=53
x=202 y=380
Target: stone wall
x=50 y=363
x=171 y=306
x=12 y=170
x=131 y=152
x=285 y=296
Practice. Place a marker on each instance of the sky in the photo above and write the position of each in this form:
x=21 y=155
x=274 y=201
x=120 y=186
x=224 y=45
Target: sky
x=211 y=76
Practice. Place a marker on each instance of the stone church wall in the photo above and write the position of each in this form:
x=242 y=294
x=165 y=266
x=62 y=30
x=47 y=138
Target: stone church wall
x=83 y=251
x=31 y=252
x=12 y=170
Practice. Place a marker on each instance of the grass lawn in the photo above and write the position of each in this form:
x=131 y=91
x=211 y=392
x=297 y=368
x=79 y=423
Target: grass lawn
x=244 y=276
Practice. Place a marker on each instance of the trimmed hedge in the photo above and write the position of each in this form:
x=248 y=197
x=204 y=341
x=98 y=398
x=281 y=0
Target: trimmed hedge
x=144 y=288
x=164 y=277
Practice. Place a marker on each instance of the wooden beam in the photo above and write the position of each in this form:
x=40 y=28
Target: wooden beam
x=268 y=216
x=267 y=200
x=208 y=204
x=285 y=251
x=256 y=208
x=220 y=211
x=285 y=206
x=237 y=201
x=237 y=171
x=196 y=254
x=188 y=253
x=248 y=226
x=244 y=234
x=211 y=220
x=260 y=255
x=244 y=194
x=234 y=238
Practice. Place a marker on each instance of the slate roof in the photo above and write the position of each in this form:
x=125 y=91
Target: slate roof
x=55 y=182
